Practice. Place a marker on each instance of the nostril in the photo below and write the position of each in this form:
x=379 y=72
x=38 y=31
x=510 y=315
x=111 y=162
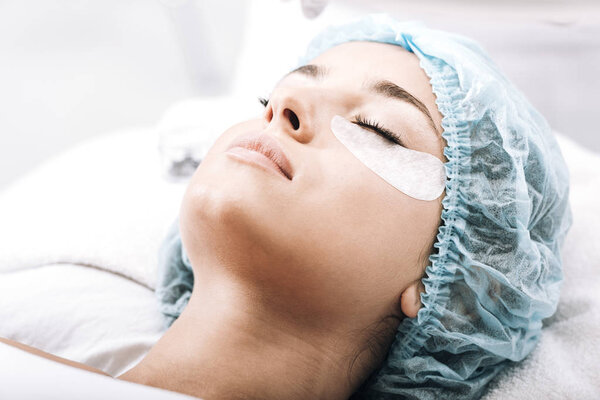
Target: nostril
x=292 y=117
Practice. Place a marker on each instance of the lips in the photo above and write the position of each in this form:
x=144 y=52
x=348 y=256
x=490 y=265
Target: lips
x=269 y=147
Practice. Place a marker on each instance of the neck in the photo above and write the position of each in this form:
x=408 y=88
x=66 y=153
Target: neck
x=227 y=345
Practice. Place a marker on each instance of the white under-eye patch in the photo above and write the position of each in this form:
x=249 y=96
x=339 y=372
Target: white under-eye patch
x=415 y=173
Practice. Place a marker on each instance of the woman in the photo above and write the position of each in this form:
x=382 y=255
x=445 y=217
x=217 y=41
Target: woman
x=314 y=276
x=293 y=276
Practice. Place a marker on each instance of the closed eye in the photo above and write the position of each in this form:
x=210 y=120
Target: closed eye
x=363 y=122
x=377 y=128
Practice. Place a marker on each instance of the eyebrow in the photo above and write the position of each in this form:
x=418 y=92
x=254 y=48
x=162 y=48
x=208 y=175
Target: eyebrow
x=383 y=87
x=393 y=91
x=314 y=71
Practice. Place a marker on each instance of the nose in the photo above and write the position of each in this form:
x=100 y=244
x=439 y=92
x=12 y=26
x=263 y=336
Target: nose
x=290 y=110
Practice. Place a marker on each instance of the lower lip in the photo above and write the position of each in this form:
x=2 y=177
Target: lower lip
x=255 y=158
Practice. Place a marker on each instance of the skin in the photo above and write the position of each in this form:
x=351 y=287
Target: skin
x=293 y=278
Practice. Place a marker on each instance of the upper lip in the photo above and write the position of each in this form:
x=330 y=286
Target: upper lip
x=268 y=146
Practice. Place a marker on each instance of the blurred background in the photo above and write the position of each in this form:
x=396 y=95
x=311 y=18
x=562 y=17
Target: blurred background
x=72 y=70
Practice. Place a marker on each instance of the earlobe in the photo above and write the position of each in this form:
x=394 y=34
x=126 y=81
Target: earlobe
x=410 y=301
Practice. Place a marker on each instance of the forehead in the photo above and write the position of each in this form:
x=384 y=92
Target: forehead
x=361 y=61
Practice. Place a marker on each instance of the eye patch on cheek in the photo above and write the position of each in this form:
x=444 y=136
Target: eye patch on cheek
x=417 y=174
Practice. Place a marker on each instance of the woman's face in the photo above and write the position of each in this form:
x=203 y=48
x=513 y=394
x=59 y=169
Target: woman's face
x=336 y=244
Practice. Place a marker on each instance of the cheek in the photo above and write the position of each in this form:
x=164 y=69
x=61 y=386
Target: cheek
x=372 y=223
x=361 y=244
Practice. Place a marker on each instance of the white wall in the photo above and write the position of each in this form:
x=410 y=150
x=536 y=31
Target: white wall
x=73 y=69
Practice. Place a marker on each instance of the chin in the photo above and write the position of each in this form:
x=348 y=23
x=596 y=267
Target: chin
x=220 y=207
x=214 y=205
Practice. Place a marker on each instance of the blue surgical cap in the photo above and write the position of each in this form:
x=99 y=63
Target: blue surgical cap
x=495 y=273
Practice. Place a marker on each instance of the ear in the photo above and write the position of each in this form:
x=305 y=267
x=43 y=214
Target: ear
x=410 y=301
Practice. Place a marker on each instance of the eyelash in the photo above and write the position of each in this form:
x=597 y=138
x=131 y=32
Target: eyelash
x=361 y=121
x=376 y=126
